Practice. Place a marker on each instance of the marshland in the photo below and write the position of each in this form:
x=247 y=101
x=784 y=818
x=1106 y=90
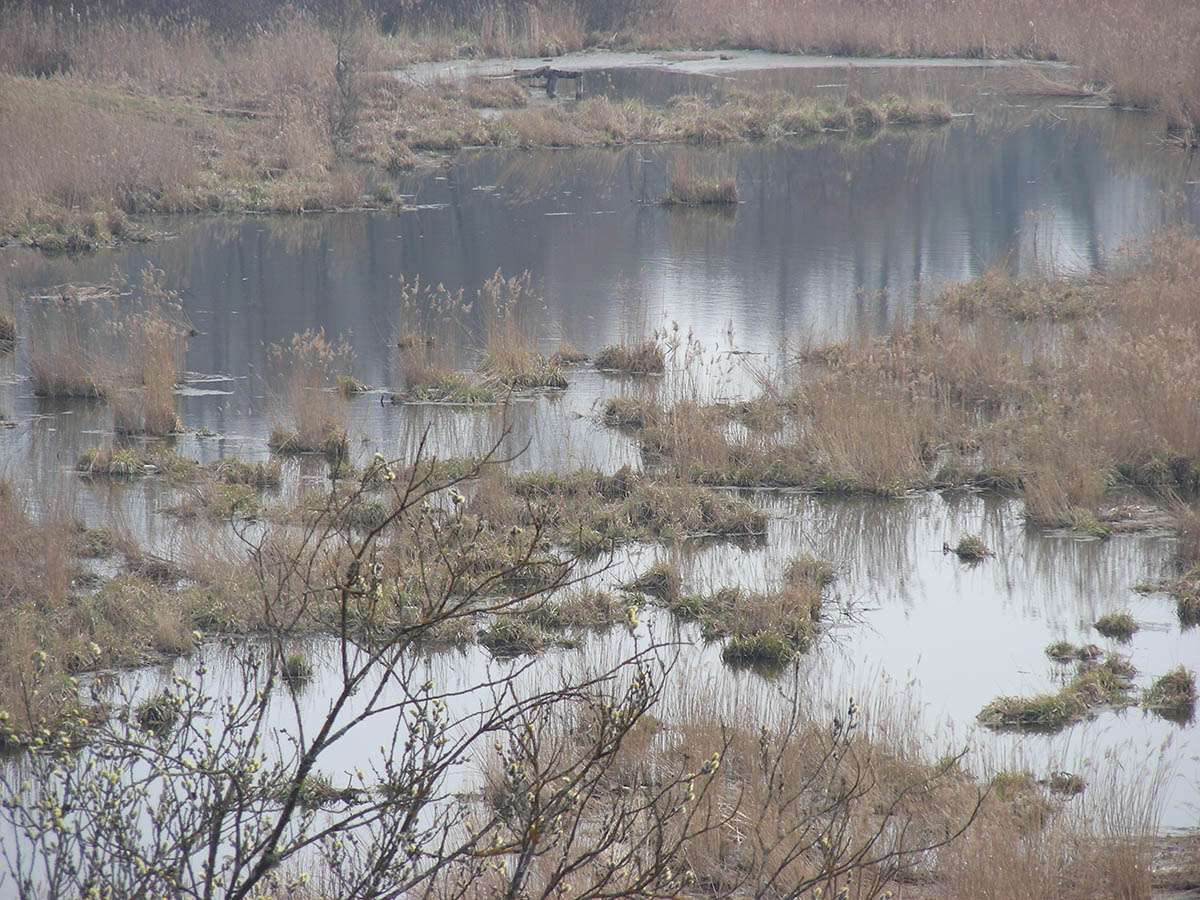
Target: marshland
x=771 y=471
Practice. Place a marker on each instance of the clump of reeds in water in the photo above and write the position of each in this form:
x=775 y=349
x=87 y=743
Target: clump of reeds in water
x=511 y=359
x=1119 y=625
x=1107 y=683
x=696 y=180
x=104 y=343
x=155 y=340
x=303 y=376
x=643 y=358
x=1173 y=696
x=427 y=331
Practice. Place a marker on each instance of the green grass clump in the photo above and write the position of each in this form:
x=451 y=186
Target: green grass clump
x=259 y=474
x=455 y=389
x=1064 y=651
x=767 y=650
x=527 y=371
x=1022 y=299
x=661 y=581
x=515 y=635
x=1173 y=696
x=333 y=442
x=588 y=510
x=585 y=608
x=157 y=715
x=763 y=629
x=97 y=543
x=630 y=412
x=97 y=462
x=971 y=548
x=8 y=333
x=297 y=669
x=1119 y=626
x=646 y=358
x=701 y=192
x=348 y=386
x=1095 y=685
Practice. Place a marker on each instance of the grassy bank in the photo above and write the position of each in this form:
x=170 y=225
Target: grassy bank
x=104 y=118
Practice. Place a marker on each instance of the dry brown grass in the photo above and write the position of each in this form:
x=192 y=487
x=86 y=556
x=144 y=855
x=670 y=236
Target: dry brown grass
x=144 y=116
x=998 y=392
x=695 y=180
x=53 y=617
x=309 y=410
x=1147 y=50
x=426 y=331
x=855 y=806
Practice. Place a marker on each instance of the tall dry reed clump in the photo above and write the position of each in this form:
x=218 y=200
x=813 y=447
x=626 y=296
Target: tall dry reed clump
x=65 y=356
x=153 y=341
x=101 y=342
x=35 y=574
x=510 y=309
x=302 y=376
x=427 y=331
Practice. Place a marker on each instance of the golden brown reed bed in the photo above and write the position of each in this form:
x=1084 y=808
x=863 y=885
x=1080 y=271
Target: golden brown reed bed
x=1053 y=388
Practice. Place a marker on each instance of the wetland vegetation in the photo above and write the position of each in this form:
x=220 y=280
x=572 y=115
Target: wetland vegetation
x=560 y=691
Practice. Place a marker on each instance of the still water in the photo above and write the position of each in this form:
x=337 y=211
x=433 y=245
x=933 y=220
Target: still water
x=832 y=238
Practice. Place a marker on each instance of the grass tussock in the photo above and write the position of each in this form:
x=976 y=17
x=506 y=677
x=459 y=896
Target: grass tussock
x=1095 y=685
x=1065 y=652
x=766 y=630
x=645 y=358
x=580 y=608
x=1119 y=625
x=1173 y=696
x=971 y=548
x=129 y=462
x=511 y=359
x=694 y=181
x=590 y=511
